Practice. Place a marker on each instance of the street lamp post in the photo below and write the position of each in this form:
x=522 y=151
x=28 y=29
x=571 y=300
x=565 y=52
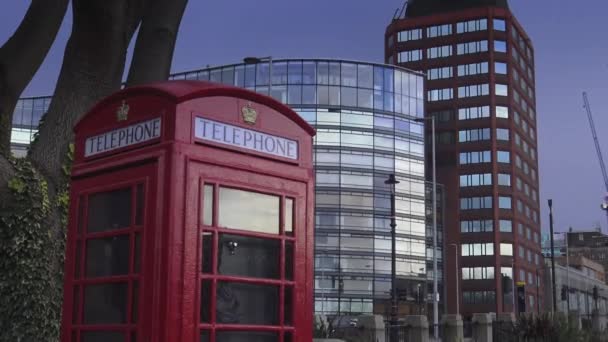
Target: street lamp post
x=392 y=182
x=554 y=307
x=457 y=278
x=257 y=60
x=434 y=199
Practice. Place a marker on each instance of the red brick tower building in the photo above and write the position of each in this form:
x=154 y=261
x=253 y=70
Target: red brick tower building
x=480 y=88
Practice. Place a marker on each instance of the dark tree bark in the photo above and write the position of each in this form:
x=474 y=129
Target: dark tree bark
x=22 y=55
x=155 y=43
x=92 y=69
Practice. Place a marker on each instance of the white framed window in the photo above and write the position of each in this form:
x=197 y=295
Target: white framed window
x=409 y=56
x=471 y=113
x=408 y=35
x=438 y=31
x=472 y=25
x=439 y=51
x=502 y=112
x=474 y=90
x=501 y=89
x=472 y=47
x=439 y=73
x=472 y=69
x=440 y=94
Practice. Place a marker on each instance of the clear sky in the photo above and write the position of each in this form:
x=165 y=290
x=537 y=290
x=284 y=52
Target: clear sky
x=571 y=56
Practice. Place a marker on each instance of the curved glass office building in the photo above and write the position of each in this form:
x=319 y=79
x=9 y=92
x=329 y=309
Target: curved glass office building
x=364 y=115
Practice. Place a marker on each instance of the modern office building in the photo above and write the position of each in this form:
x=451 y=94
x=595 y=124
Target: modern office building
x=591 y=244
x=479 y=64
x=364 y=115
x=585 y=279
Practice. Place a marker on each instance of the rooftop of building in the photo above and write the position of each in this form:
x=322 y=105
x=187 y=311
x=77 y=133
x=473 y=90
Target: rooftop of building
x=421 y=8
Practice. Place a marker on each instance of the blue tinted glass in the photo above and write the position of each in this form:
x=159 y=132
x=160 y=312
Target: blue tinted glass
x=365 y=76
x=365 y=98
x=309 y=95
x=295 y=72
x=402 y=126
x=388 y=101
x=323 y=73
x=378 y=100
x=309 y=73
x=389 y=80
x=334 y=73
x=250 y=75
x=239 y=76
x=349 y=75
x=279 y=73
x=378 y=78
x=262 y=73
x=500 y=46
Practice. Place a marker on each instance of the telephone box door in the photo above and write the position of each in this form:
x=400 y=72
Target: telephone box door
x=113 y=221
x=250 y=254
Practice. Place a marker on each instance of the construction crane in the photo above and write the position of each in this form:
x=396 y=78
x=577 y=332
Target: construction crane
x=598 y=150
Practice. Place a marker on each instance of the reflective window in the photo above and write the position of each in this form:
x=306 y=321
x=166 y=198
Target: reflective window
x=474 y=135
x=500 y=68
x=504 y=179
x=504 y=202
x=506 y=226
x=501 y=90
x=109 y=210
x=472 y=113
x=257 y=212
x=408 y=35
x=475 y=180
x=472 y=69
x=439 y=51
x=439 y=73
x=409 y=56
x=477 y=249
x=439 y=30
x=499 y=24
x=472 y=47
x=502 y=134
x=477 y=273
x=476 y=226
x=475 y=157
x=502 y=112
x=472 y=26
x=500 y=46
x=474 y=90
x=472 y=203
x=440 y=94
x=506 y=249
x=503 y=157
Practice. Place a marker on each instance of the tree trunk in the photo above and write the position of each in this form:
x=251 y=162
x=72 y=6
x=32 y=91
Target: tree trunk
x=92 y=69
x=155 y=44
x=22 y=55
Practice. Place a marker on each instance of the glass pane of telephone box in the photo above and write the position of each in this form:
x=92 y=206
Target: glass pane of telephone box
x=109 y=210
x=249 y=256
x=105 y=303
x=256 y=212
x=241 y=303
x=107 y=256
x=102 y=336
x=246 y=336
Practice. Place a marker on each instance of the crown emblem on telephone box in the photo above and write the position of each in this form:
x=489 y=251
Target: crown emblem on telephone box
x=250 y=115
x=122 y=114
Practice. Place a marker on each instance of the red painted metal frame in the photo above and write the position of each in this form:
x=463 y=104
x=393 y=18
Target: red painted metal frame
x=173 y=169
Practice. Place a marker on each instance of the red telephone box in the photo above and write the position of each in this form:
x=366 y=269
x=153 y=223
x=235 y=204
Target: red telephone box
x=191 y=219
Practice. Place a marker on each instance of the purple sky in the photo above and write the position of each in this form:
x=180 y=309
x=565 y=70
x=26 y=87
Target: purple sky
x=571 y=56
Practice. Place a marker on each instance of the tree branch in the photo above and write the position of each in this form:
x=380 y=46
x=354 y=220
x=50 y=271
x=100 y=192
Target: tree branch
x=22 y=55
x=155 y=44
x=92 y=69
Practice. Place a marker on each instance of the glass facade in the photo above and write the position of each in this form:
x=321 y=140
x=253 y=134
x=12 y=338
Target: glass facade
x=26 y=117
x=364 y=116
